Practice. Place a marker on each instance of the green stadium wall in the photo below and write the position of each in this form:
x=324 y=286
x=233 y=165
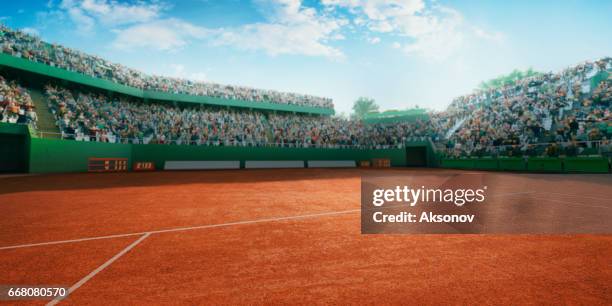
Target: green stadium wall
x=586 y=165
x=14 y=146
x=511 y=164
x=581 y=164
x=56 y=155
x=161 y=153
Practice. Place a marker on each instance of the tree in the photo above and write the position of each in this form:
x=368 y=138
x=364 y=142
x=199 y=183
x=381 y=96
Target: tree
x=508 y=79
x=363 y=106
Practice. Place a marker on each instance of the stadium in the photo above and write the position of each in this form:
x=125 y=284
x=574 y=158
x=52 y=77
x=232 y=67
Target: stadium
x=130 y=188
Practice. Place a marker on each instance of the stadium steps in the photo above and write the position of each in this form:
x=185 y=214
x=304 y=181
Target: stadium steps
x=455 y=127
x=269 y=131
x=46 y=120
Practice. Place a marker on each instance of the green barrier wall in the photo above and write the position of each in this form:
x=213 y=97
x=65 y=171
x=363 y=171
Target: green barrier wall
x=534 y=164
x=586 y=164
x=544 y=164
x=511 y=164
x=161 y=153
x=75 y=77
x=13 y=129
x=485 y=164
x=461 y=163
x=14 y=146
x=56 y=155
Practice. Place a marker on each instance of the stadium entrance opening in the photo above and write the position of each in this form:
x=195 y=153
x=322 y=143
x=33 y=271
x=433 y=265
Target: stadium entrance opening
x=13 y=153
x=416 y=156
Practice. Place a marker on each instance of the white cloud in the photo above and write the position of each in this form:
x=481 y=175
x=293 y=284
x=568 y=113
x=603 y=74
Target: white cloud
x=396 y=45
x=291 y=29
x=430 y=31
x=165 y=35
x=179 y=71
x=433 y=32
x=492 y=36
x=85 y=24
x=439 y=37
x=111 y=13
x=137 y=24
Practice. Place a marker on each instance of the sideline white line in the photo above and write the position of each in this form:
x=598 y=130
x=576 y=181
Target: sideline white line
x=178 y=229
x=209 y=226
x=98 y=270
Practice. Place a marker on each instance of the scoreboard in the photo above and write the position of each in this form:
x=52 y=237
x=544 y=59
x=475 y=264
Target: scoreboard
x=107 y=164
x=381 y=163
x=143 y=166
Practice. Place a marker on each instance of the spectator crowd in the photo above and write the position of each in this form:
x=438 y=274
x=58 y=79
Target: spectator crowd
x=23 y=45
x=559 y=110
x=569 y=111
x=549 y=108
x=96 y=117
x=16 y=104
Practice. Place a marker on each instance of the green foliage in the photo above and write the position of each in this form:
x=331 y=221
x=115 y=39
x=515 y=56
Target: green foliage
x=363 y=106
x=508 y=79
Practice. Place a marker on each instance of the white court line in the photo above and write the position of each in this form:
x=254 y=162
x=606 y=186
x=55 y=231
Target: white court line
x=98 y=270
x=179 y=229
x=69 y=241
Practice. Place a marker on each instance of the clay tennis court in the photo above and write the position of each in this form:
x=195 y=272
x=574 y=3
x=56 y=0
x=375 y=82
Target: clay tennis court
x=283 y=236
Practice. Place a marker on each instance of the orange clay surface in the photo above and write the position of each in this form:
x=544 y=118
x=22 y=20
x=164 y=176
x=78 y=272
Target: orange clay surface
x=281 y=236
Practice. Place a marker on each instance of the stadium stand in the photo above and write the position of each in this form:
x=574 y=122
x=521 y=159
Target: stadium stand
x=23 y=45
x=549 y=115
x=16 y=104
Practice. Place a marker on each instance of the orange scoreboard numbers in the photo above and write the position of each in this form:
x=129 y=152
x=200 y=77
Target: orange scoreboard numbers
x=108 y=164
x=143 y=166
x=381 y=163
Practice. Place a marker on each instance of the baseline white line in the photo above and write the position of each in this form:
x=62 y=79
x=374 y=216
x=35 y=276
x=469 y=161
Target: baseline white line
x=183 y=229
x=69 y=241
x=98 y=270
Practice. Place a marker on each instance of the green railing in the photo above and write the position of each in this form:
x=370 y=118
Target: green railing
x=79 y=78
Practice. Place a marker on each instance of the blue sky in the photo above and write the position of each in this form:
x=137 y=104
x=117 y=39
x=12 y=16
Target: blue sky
x=400 y=52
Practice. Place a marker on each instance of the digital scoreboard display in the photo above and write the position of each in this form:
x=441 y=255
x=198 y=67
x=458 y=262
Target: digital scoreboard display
x=107 y=164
